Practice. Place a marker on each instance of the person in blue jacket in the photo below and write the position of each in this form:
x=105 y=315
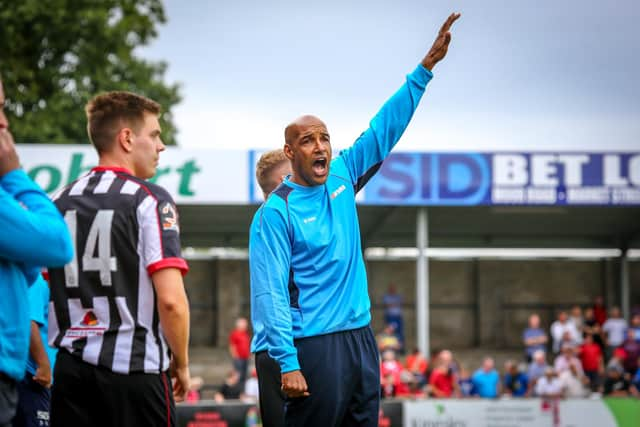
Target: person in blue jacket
x=33 y=235
x=308 y=282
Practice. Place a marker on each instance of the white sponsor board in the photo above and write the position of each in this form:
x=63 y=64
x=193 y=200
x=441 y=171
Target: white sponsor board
x=507 y=413
x=191 y=176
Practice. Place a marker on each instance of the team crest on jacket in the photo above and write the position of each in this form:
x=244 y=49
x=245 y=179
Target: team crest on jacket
x=169 y=217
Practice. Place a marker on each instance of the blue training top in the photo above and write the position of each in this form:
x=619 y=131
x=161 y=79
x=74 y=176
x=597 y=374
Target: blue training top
x=307 y=272
x=33 y=235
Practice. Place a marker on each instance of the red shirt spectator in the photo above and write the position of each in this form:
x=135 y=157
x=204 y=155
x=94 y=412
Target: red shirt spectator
x=590 y=356
x=441 y=382
x=599 y=311
x=417 y=363
x=240 y=343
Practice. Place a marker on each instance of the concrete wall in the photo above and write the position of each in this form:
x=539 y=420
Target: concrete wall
x=472 y=302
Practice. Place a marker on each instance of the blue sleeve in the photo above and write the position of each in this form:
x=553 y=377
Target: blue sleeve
x=269 y=265
x=38 y=298
x=365 y=156
x=34 y=232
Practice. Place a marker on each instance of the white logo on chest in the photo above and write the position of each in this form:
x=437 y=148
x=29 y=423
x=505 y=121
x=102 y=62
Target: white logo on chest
x=338 y=191
x=308 y=220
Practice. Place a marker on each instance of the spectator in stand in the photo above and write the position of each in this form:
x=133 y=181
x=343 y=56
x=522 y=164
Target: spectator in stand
x=578 y=321
x=534 y=337
x=240 y=348
x=417 y=364
x=392 y=302
x=590 y=326
x=635 y=382
x=388 y=387
x=565 y=359
x=599 y=310
x=442 y=381
x=487 y=380
x=631 y=349
x=537 y=369
x=193 y=395
x=390 y=365
x=635 y=325
x=563 y=329
x=387 y=339
x=592 y=361
x=231 y=388
x=515 y=381
x=573 y=382
x=465 y=384
x=549 y=386
x=251 y=391
x=614 y=329
x=616 y=385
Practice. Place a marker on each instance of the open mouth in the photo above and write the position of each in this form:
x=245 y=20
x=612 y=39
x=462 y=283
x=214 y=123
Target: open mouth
x=320 y=166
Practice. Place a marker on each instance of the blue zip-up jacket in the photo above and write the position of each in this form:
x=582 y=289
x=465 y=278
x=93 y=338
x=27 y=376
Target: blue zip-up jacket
x=33 y=235
x=307 y=271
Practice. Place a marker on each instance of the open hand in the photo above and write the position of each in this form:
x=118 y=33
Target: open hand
x=441 y=44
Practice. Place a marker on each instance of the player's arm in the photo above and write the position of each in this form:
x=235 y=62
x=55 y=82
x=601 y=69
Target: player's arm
x=158 y=219
x=173 y=309
x=39 y=355
x=269 y=264
x=33 y=230
x=388 y=125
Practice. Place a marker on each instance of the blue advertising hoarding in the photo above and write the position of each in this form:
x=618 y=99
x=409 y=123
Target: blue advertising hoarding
x=469 y=179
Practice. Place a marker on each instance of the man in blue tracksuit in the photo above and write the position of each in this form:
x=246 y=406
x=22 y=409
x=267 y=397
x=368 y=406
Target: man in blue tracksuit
x=33 y=235
x=308 y=282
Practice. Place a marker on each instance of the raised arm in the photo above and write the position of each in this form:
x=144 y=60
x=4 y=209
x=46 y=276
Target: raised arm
x=388 y=125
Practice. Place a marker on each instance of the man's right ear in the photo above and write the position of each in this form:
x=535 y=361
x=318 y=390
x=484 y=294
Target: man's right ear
x=125 y=137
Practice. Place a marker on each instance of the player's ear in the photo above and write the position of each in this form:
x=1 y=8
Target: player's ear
x=125 y=136
x=288 y=152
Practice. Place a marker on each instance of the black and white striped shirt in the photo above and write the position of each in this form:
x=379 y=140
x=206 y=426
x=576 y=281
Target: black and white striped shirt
x=103 y=303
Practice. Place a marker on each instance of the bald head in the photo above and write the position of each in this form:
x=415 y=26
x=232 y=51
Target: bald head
x=293 y=130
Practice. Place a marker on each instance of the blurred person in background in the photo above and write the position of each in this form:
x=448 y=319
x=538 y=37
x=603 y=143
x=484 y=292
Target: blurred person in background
x=251 y=392
x=193 y=395
x=592 y=361
x=534 y=337
x=231 y=388
x=392 y=302
x=615 y=383
x=387 y=339
x=515 y=382
x=443 y=382
x=272 y=167
x=631 y=349
x=563 y=330
x=34 y=394
x=537 y=369
x=573 y=382
x=549 y=386
x=465 y=384
x=635 y=382
x=591 y=326
x=578 y=320
x=487 y=380
x=599 y=310
x=417 y=364
x=33 y=235
x=614 y=329
x=635 y=325
x=240 y=347
x=566 y=358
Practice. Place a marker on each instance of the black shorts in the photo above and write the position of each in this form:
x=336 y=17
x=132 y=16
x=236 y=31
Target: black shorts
x=34 y=401
x=88 y=395
x=270 y=392
x=342 y=371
